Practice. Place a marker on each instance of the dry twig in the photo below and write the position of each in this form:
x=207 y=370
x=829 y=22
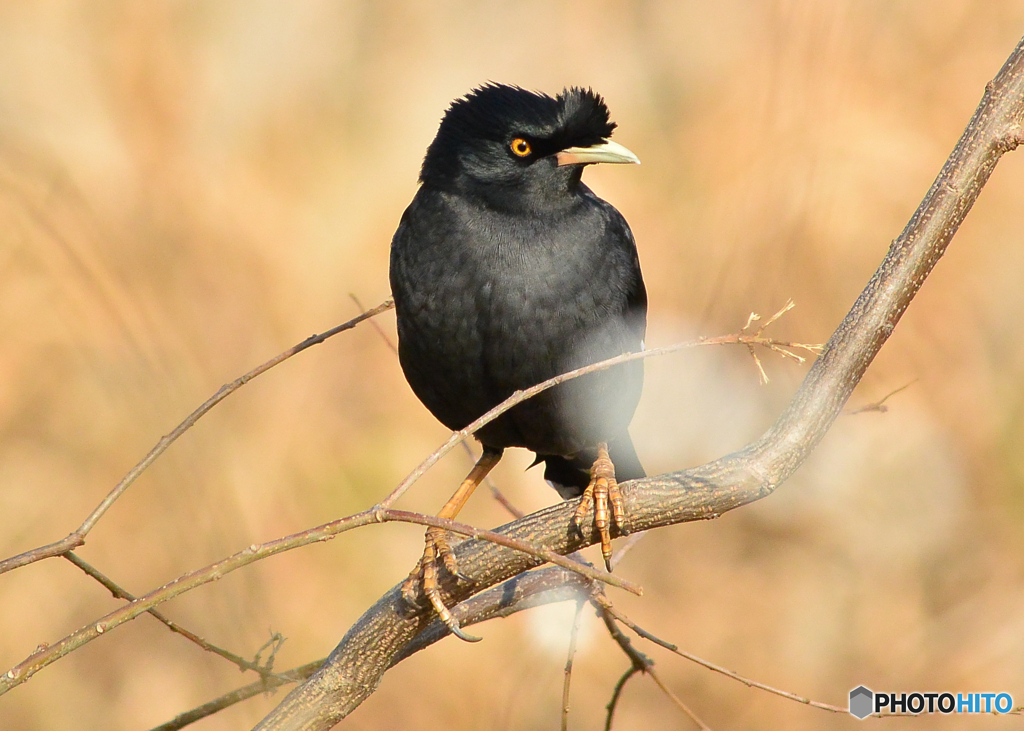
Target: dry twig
x=573 y=635
x=711 y=666
x=879 y=405
x=77 y=537
x=638 y=663
x=265 y=671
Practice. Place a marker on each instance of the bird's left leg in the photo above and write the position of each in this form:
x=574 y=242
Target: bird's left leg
x=602 y=491
x=437 y=546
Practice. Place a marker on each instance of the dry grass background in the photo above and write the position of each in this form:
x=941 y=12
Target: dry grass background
x=188 y=188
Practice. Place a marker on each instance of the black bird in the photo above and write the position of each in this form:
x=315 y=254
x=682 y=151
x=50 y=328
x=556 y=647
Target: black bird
x=506 y=271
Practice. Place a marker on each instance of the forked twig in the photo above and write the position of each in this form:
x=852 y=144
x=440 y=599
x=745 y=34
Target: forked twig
x=47 y=654
x=710 y=665
x=238 y=695
x=77 y=537
x=118 y=592
x=783 y=349
x=639 y=662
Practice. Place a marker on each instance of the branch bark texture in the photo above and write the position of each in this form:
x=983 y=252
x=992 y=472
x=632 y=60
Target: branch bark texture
x=378 y=639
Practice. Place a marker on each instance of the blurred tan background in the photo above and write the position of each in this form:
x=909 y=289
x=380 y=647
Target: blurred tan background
x=187 y=189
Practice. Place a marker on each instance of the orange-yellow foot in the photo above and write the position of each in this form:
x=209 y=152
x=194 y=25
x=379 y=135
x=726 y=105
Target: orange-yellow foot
x=602 y=491
x=424 y=578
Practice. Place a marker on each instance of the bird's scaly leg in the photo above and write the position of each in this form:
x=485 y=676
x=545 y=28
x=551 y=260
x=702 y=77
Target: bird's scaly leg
x=602 y=491
x=424 y=576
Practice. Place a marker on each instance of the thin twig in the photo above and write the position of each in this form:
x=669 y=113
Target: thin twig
x=119 y=593
x=77 y=538
x=879 y=405
x=274 y=645
x=675 y=699
x=518 y=397
x=790 y=304
x=573 y=635
x=626 y=547
x=238 y=695
x=639 y=662
x=762 y=375
x=711 y=666
x=376 y=326
x=617 y=693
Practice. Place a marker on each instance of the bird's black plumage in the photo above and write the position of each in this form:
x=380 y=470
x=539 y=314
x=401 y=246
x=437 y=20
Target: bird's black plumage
x=507 y=270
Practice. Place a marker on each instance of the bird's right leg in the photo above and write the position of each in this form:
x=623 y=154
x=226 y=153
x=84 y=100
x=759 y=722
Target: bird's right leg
x=602 y=492
x=424 y=576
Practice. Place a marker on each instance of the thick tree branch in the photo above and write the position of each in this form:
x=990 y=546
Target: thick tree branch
x=356 y=666
x=532 y=589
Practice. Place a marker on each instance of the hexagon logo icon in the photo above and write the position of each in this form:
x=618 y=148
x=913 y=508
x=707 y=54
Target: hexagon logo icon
x=862 y=701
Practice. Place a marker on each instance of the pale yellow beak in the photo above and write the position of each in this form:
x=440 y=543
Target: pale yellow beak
x=606 y=151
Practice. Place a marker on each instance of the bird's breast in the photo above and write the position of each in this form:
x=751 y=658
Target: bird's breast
x=495 y=303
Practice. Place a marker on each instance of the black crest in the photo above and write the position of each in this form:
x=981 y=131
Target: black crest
x=489 y=117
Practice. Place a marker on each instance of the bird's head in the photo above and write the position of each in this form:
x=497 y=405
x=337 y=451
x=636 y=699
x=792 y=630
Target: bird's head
x=508 y=145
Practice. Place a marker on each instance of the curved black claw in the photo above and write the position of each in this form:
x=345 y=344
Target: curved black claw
x=446 y=616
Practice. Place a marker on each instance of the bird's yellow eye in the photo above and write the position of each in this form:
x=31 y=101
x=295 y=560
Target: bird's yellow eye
x=520 y=147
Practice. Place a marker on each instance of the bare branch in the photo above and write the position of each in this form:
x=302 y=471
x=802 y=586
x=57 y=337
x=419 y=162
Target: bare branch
x=617 y=694
x=639 y=661
x=120 y=593
x=238 y=695
x=710 y=665
x=573 y=635
x=675 y=699
x=879 y=405
x=77 y=538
